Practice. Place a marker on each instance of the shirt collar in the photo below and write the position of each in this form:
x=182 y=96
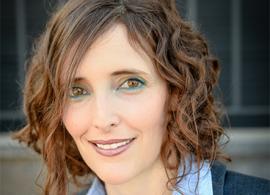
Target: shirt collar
x=189 y=182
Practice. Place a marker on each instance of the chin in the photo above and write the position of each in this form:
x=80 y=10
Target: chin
x=115 y=178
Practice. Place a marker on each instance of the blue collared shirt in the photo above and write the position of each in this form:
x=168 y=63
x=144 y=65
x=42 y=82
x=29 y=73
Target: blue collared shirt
x=187 y=184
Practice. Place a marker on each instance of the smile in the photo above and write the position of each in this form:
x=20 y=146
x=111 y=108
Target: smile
x=111 y=147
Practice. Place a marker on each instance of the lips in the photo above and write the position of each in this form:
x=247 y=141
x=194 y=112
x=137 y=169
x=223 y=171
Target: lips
x=111 y=147
x=111 y=141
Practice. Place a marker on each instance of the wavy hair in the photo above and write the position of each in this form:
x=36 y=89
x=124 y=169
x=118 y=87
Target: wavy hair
x=180 y=55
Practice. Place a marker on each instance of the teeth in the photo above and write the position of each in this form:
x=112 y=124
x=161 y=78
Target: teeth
x=112 y=146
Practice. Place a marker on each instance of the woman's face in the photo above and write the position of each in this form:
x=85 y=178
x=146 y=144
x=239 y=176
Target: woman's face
x=116 y=109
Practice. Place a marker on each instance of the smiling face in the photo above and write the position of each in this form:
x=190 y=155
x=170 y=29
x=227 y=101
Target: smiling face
x=116 y=110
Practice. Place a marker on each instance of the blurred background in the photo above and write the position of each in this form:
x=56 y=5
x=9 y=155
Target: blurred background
x=238 y=34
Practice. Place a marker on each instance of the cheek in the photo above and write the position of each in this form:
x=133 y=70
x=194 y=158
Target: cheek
x=147 y=115
x=75 y=120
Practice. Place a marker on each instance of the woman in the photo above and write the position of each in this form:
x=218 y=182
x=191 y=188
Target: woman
x=122 y=90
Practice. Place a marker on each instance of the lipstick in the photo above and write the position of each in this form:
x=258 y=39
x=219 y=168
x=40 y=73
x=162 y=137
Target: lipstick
x=111 y=147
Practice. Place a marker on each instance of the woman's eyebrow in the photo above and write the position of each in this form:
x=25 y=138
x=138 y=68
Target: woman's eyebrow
x=118 y=73
x=129 y=72
x=78 y=79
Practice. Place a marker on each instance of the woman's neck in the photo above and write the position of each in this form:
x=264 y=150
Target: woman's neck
x=150 y=182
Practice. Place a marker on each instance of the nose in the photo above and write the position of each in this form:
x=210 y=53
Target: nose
x=104 y=116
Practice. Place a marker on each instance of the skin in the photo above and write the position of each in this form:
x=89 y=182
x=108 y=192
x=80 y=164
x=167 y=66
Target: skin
x=100 y=98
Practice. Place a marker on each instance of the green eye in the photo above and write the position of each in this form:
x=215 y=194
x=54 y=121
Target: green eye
x=132 y=84
x=77 y=92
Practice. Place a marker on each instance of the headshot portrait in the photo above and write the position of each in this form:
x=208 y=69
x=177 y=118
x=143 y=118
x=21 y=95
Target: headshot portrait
x=125 y=93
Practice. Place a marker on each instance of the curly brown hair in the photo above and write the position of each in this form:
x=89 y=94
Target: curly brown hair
x=181 y=58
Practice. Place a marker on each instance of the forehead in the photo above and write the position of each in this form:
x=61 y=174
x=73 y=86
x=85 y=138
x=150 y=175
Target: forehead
x=113 y=50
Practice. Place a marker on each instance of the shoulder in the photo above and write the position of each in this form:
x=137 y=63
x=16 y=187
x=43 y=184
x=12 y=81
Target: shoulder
x=230 y=182
x=237 y=183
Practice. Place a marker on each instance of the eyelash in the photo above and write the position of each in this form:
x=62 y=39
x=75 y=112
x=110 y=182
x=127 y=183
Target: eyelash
x=140 y=84
x=74 y=96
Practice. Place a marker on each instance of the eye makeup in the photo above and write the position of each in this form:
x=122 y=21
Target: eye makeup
x=133 y=83
x=77 y=92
